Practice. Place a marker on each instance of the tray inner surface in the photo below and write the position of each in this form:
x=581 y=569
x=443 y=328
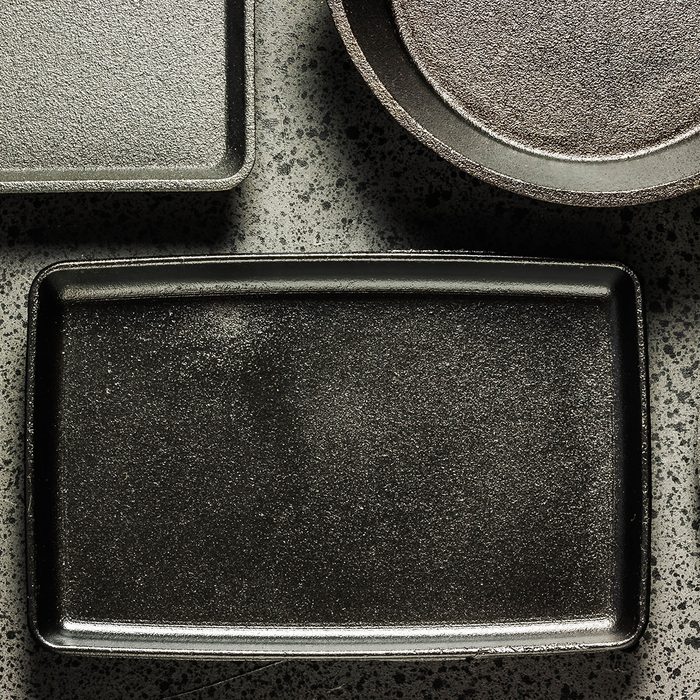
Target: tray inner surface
x=342 y=459
x=119 y=90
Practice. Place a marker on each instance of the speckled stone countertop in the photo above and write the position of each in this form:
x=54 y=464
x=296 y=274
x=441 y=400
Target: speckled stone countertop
x=334 y=173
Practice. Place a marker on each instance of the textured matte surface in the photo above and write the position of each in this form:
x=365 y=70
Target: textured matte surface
x=585 y=103
x=594 y=79
x=343 y=459
x=336 y=173
x=336 y=462
x=119 y=91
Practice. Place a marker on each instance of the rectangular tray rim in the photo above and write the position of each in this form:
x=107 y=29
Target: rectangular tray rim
x=308 y=649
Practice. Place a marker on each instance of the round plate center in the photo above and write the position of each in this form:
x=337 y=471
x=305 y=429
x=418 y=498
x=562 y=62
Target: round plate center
x=584 y=79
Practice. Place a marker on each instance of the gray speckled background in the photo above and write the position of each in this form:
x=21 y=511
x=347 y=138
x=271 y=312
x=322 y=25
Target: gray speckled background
x=335 y=173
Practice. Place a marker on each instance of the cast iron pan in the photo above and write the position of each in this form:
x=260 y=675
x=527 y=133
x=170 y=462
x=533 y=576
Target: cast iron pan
x=378 y=455
x=588 y=103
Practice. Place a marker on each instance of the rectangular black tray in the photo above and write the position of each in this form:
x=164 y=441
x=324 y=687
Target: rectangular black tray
x=398 y=454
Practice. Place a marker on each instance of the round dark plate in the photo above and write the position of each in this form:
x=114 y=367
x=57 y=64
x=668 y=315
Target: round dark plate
x=589 y=103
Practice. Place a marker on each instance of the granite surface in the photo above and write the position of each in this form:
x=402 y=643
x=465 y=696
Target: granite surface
x=334 y=173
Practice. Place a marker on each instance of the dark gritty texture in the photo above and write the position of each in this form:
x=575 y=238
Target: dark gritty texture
x=335 y=173
x=576 y=102
x=336 y=461
x=577 y=79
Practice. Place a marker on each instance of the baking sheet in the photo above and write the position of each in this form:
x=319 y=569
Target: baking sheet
x=336 y=455
x=153 y=95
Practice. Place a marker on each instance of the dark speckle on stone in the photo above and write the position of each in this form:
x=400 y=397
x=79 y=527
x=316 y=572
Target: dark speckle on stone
x=693 y=642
